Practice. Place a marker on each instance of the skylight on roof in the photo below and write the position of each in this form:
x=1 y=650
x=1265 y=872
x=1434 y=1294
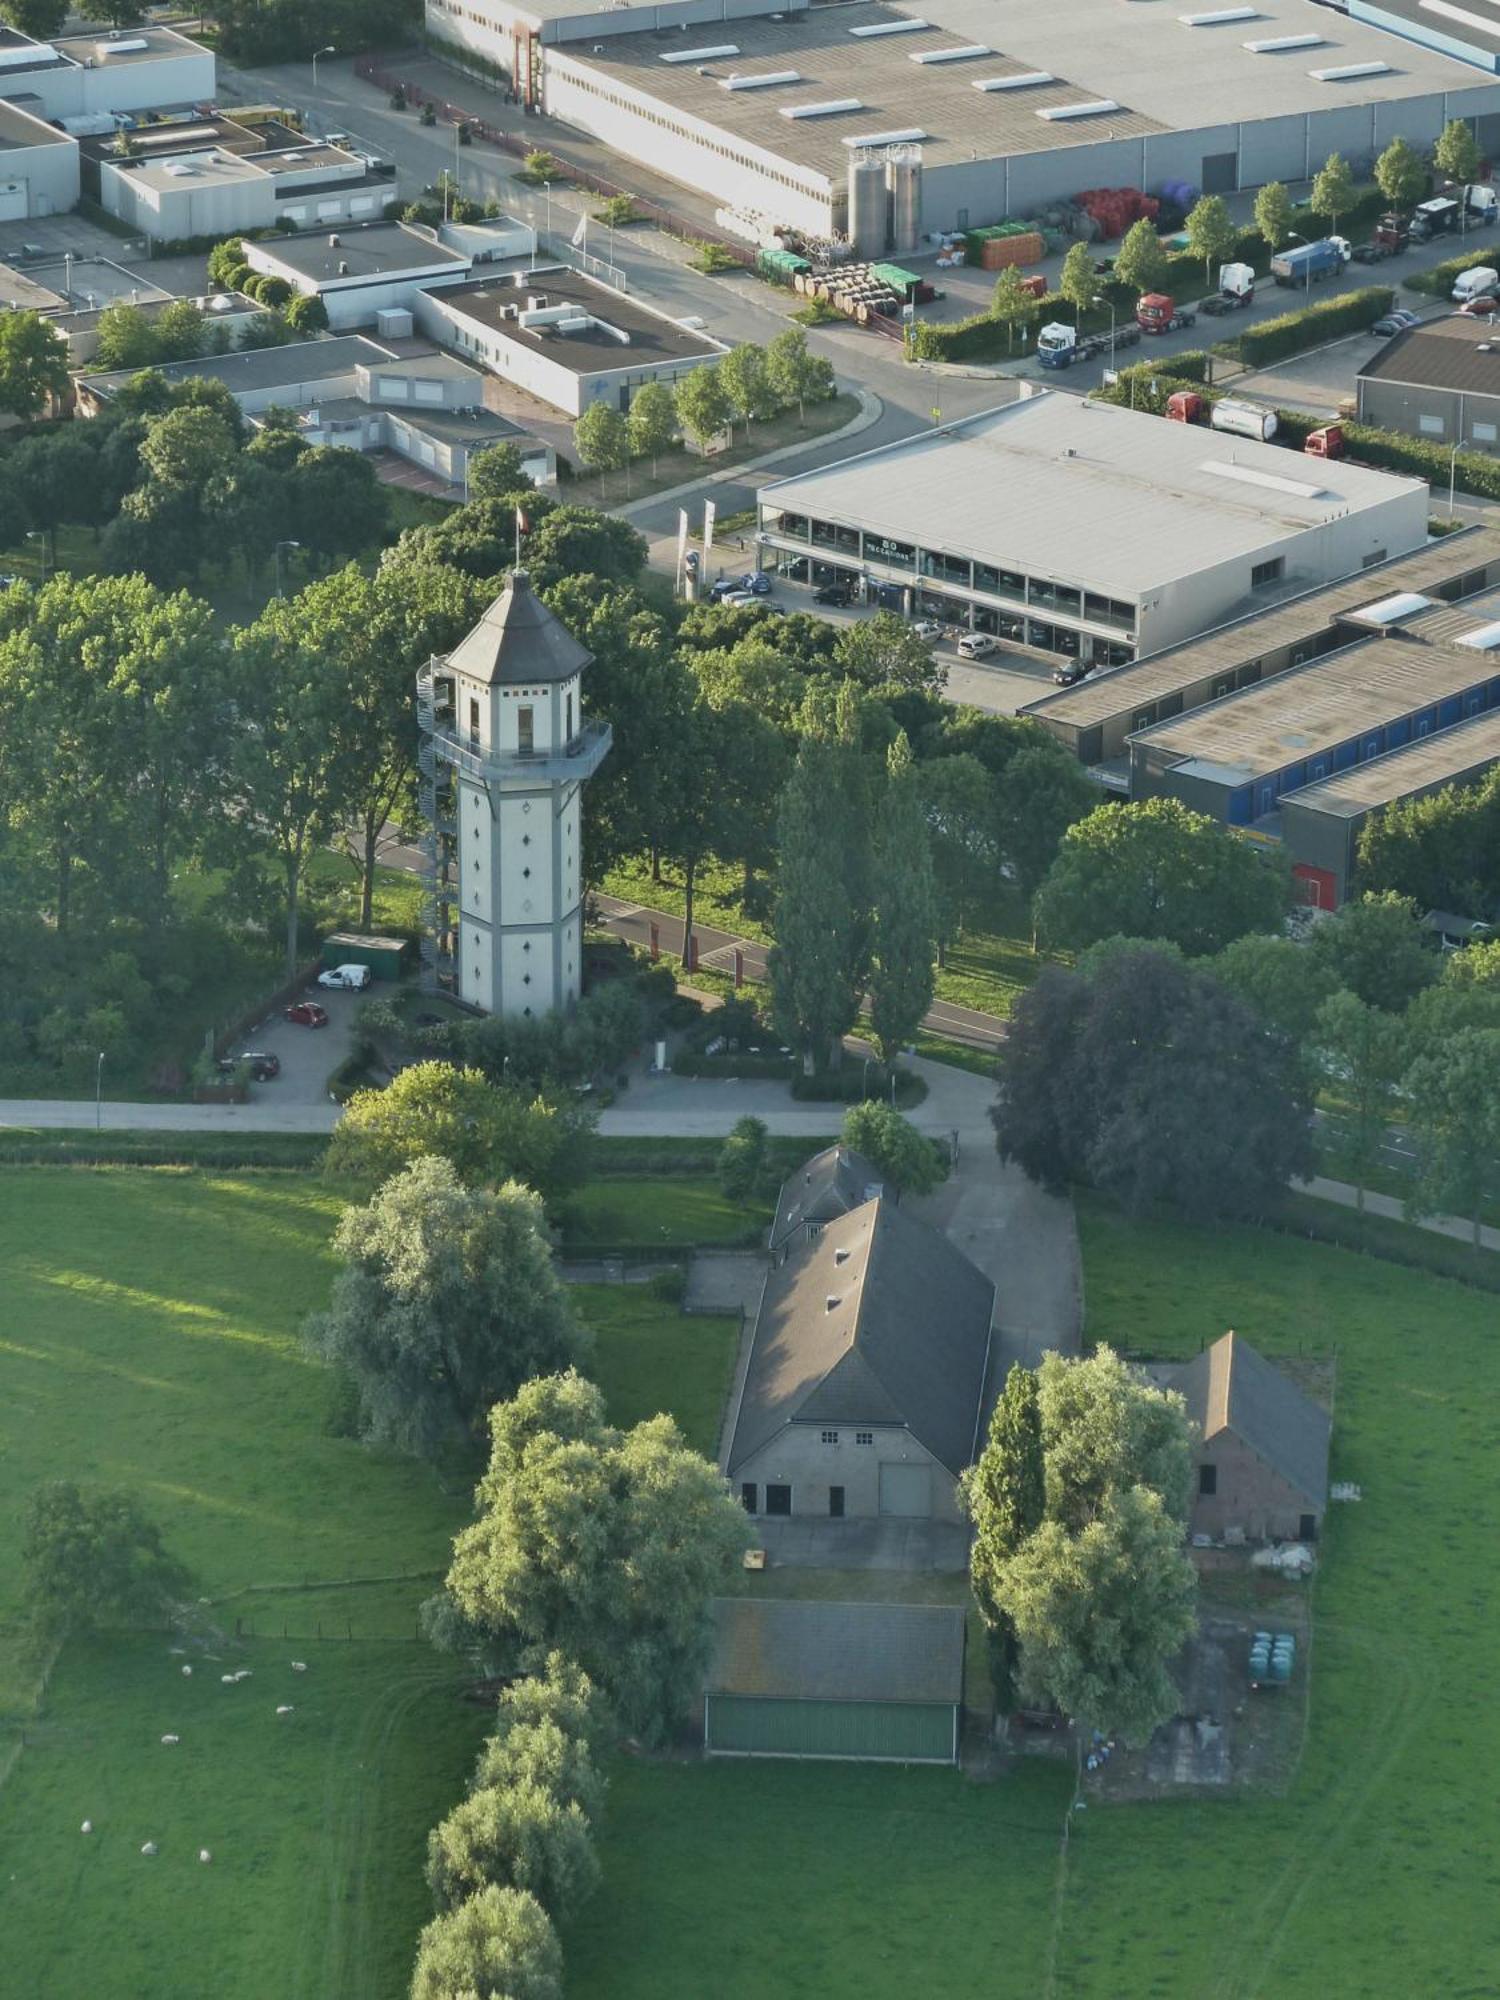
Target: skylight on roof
x=760 y=80
x=828 y=108
x=1220 y=18
x=699 y=55
x=1393 y=610
x=1026 y=80
x=1462 y=14
x=1345 y=72
x=1274 y=45
x=874 y=28
x=1483 y=639
x=1251 y=475
x=965 y=54
x=1095 y=108
x=908 y=136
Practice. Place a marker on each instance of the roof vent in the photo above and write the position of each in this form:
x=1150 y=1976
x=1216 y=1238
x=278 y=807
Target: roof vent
x=333 y=242
x=841 y=1256
x=832 y=1302
x=343 y=270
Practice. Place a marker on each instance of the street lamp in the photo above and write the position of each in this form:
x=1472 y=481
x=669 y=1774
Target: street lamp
x=547 y=228
x=1452 y=474
x=1109 y=305
x=279 y=547
x=99 y=1092
x=329 y=51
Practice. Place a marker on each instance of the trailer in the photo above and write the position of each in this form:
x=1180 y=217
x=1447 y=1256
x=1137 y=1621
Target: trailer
x=1310 y=263
x=1155 y=312
x=1059 y=345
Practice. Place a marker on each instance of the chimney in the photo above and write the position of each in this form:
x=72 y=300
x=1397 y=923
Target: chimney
x=333 y=242
x=832 y=1302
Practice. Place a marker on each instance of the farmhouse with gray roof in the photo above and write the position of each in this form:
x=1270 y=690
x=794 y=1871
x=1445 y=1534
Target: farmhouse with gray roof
x=1260 y=1446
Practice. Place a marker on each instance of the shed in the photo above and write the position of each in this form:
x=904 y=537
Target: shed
x=870 y=1682
x=385 y=956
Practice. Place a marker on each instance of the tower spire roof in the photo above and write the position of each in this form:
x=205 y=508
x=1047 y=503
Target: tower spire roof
x=518 y=642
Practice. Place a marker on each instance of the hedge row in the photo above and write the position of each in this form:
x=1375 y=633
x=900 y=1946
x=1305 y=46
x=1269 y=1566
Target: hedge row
x=1294 y=332
x=1147 y=388
x=1441 y=279
x=978 y=339
x=777 y=1069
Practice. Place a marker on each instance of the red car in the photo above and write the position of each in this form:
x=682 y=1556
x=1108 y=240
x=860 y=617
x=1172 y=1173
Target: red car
x=308 y=1014
x=1484 y=308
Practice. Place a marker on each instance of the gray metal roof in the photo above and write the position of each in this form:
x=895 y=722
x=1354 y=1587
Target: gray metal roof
x=1086 y=493
x=1289 y=718
x=518 y=641
x=880 y=1320
x=1123 y=689
x=370 y=250
x=1451 y=756
x=260 y=368
x=1229 y=1387
x=826 y=1186
x=648 y=337
x=1459 y=352
x=802 y=1649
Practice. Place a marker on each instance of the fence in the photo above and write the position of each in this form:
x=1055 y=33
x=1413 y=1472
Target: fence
x=253 y=1016
x=519 y=144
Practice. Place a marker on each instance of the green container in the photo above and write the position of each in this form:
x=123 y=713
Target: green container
x=385 y=956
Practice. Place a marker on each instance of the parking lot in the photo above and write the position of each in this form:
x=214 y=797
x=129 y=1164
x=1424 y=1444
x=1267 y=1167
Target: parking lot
x=309 y=1056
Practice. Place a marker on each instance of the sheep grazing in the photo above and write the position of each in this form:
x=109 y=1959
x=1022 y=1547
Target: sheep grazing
x=149 y=1848
x=299 y=1666
x=285 y=1709
x=187 y=1670
x=204 y=1855
x=228 y=1679
x=244 y=1673
x=87 y=1827
x=171 y=1739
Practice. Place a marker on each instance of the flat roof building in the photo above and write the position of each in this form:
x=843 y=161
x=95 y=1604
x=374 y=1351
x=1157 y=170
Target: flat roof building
x=212 y=192
x=761 y=105
x=1082 y=529
x=105 y=71
x=1439 y=381
x=360 y=272
x=1095 y=719
x=561 y=336
x=38 y=166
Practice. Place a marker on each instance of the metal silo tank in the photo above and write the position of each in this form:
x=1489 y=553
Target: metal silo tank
x=904 y=173
x=867 y=204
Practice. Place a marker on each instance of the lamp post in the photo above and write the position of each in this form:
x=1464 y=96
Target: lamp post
x=1452 y=474
x=329 y=51
x=99 y=1092
x=547 y=226
x=279 y=547
x=1109 y=305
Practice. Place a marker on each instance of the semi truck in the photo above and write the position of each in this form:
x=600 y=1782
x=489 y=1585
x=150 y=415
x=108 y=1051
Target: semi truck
x=1059 y=345
x=1156 y=313
x=1248 y=420
x=1310 y=263
x=1236 y=289
x=1438 y=217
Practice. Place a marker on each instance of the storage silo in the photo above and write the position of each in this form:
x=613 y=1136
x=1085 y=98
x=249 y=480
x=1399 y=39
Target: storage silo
x=903 y=167
x=868 y=231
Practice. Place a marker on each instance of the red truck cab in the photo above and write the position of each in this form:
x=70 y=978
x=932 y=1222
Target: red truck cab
x=1154 y=312
x=1186 y=406
x=1328 y=442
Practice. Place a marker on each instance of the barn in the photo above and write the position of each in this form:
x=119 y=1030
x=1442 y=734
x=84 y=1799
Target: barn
x=791 y=1677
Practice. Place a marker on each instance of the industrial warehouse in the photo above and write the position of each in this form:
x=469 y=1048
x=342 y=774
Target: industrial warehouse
x=1296 y=726
x=1084 y=530
x=768 y=107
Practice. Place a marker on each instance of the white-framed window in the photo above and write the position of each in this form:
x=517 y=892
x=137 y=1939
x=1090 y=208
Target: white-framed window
x=830 y=1437
x=1482 y=433
x=1431 y=427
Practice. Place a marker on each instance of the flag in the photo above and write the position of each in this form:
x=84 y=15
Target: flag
x=710 y=512
x=523 y=526
x=580 y=235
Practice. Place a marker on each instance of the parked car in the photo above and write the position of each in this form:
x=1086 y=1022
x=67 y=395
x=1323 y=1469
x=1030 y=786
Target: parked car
x=834 y=593
x=352 y=978
x=757 y=583
x=974 y=645
x=1394 y=322
x=739 y=597
x=1480 y=308
x=307 y=1014
x=1071 y=672
x=928 y=628
x=263 y=1065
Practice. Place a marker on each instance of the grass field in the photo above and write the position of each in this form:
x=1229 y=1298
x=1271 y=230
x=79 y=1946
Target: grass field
x=149 y=1339
x=1379 y=1872
x=646 y=1214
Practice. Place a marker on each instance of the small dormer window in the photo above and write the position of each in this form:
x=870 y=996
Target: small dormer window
x=568 y=732
x=526 y=730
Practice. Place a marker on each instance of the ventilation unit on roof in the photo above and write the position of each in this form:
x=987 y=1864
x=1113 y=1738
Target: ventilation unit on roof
x=1220 y=18
x=762 y=80
x=874 y=28
x=966 y=54
x=1027 y=79
x=1054 y=113
x=699 y=55
x=841 y=1256
x=908 y=137
x=1274 y=45
x=832 y=1302
x=1345 y=72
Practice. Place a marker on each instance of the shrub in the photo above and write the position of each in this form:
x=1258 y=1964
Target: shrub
x=1294 y=332
x=775 y=1069
x=1441 y=279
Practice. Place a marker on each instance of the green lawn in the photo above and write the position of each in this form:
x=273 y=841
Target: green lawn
x=1378 y=1872
x=641 y=1213
x=149 y=1338
x=651 y=1357
x=676 y=468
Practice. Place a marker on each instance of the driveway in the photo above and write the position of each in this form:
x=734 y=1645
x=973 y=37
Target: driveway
x=885 y=1543
x=309 y=1056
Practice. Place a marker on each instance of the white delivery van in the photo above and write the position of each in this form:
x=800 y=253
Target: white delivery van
x=1474 y=284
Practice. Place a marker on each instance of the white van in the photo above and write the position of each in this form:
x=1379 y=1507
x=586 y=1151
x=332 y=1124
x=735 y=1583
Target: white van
x=974 y=645
x=1474 y=284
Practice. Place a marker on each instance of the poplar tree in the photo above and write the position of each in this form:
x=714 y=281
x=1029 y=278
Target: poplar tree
x=904 y=917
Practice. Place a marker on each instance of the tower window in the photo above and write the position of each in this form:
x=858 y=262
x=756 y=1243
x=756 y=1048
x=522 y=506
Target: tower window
x=525 y=730
x=474 y=717
x=568 y=732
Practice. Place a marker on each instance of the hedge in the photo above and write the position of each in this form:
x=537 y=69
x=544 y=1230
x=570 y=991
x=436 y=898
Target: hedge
x=1144 y=387
x=1441 y=278
x=1295 y=332
x=761 y=1068
x=978 y=339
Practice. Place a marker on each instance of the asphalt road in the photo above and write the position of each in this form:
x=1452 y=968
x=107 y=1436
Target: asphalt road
x=716 y=950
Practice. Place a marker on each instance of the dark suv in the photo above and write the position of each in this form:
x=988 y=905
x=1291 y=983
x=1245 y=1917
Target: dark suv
x=833 y=593
x=263 y=1065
